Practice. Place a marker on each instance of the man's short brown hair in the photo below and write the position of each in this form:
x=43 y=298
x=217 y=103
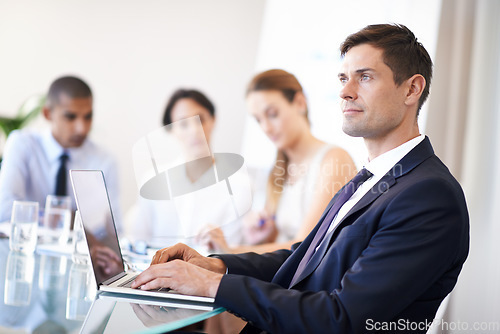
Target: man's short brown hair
x=404 y=55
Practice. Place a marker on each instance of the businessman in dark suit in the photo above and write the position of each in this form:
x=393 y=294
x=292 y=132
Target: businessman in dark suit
x=386 y=252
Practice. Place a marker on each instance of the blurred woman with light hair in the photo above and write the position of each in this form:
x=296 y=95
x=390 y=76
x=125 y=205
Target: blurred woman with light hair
x=305 y=176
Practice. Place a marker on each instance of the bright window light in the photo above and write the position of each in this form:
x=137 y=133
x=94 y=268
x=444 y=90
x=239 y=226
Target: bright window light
x=303 y=37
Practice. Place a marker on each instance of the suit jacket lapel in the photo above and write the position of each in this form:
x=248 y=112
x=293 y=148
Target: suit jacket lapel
x=386 y=182
x=283 y=276
x=382 y=186
x=415 y=157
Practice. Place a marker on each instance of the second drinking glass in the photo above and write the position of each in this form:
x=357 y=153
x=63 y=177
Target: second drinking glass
x=57 y=219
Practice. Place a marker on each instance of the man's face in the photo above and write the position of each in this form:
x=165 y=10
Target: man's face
x=71 y=120
x=373 y=105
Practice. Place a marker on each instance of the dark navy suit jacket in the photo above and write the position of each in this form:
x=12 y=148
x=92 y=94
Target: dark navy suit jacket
x=387 y=265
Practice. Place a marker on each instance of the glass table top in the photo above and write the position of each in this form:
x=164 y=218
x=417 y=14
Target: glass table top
x=47 y=292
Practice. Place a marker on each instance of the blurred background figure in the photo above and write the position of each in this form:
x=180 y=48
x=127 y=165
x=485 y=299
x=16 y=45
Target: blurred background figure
x=160 y=223
x=306 y=174
x=36 y=164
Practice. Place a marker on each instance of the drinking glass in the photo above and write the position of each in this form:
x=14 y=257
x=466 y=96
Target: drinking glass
x=57 y=219
x=24 y=226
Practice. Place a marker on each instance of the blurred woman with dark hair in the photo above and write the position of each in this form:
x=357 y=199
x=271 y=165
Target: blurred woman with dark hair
x=189 y=117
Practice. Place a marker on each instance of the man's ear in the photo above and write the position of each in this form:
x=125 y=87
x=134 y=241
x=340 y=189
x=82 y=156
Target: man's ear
x=416 y=85
x=46 y=113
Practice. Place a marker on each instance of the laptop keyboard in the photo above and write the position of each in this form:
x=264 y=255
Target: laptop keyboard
x=128 y=282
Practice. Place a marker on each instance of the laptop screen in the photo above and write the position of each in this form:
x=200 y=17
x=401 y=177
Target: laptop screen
x=97 y=219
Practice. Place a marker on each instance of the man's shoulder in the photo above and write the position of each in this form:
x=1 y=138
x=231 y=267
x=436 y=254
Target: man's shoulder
x=434 y=168
x=422 y=162
x=430 y=184
x=24 y=134
x=433 y=173
x=20 y=140
x=421 y=174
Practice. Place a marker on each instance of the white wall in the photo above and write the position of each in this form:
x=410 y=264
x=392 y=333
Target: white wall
x=133 y=54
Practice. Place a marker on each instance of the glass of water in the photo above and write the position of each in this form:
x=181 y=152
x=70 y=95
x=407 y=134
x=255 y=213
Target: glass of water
x=57 y=219
x=24 y=226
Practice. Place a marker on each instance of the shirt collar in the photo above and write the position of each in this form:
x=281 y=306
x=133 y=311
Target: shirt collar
x=53 y=149
x=81 y=152
x=384 y=162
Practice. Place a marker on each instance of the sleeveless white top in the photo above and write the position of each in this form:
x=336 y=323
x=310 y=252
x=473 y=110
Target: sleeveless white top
x=296 y=198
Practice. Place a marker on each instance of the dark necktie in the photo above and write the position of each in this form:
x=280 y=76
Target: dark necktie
x=344 y=195
x=61 y=176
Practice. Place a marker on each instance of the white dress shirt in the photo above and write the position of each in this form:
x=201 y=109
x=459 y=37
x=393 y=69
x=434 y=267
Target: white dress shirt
x=30 y=164
x=378 y=167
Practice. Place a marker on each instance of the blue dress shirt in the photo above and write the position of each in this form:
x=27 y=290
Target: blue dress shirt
x=30 y=164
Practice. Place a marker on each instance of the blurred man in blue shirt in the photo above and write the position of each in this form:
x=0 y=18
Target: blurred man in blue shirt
x=32 y=159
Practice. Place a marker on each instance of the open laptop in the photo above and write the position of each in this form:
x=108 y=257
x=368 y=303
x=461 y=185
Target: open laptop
x=92 y=201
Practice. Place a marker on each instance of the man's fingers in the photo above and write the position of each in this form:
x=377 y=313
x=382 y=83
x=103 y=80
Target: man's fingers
x=178 y=251
x=144 y=277
x=164 y=270
x=168 y=253
x=157 y=257
x=156 y=284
